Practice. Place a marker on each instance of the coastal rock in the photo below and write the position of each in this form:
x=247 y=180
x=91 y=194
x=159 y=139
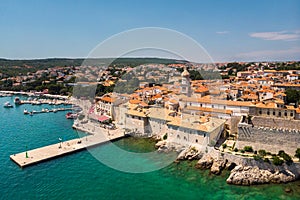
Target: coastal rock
x=218 y=166
x=248 y=175
x=230 y=166
x=205 y=162
x=160 y=143
x=191 y=153
x=165 y=146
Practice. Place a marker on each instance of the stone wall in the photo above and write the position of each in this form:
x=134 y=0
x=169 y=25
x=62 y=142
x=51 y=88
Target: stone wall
x=278 y=123
x=271 y=140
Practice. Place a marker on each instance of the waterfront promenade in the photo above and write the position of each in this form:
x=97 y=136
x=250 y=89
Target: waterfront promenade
x=34 y=156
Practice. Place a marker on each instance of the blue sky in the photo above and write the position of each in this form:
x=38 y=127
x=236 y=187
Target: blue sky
x=230 y=30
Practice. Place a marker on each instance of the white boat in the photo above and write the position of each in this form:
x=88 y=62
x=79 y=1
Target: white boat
x=26 y=112
x=54 y=110
x=8 y=105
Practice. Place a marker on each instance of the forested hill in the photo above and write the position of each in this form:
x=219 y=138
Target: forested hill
x=52 y=62
x=15 y=67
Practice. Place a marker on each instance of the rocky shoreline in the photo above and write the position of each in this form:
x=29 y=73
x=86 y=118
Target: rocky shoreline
x=243 y=171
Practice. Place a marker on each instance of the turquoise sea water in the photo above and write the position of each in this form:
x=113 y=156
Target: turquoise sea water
x=81 y=176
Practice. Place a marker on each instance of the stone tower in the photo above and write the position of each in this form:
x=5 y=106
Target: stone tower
x=185 y=86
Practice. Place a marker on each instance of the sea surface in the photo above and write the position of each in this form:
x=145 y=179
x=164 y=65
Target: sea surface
x=81 y=176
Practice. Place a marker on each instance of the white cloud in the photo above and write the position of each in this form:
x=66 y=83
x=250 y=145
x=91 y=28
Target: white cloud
x=281 y=35
x=222 y=32
x=269 y=55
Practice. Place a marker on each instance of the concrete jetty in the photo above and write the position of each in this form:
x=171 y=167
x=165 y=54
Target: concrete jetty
x=38 y=155
x=48 y=111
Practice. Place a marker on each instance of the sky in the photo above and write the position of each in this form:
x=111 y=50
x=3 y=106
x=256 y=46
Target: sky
x=229 y=30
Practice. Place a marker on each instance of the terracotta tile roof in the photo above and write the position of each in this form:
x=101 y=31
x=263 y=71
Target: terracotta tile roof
x=204 y=109
x=134 y=101
x=108 y=99
x=214 y=101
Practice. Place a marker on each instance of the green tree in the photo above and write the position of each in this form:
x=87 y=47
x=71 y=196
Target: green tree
x=292 y=96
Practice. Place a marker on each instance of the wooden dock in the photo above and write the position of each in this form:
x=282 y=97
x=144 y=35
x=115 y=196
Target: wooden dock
x=38 y=155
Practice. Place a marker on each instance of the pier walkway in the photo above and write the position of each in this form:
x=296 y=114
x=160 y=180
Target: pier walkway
x=56 y=150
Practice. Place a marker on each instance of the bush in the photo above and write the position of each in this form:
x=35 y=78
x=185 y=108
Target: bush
x=285 y=156
x=248 y=149
x=257 y=157
x=224 y=146
x=277 y=161
x=297 y=155
x=255 y=152
x=236 y=150
x=266 y=160
x=242 y=151
x=165 y=136
x=262 y=152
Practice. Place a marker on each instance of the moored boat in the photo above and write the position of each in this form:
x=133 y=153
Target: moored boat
x=17 y=101
x=26 y=112
x=71 y=115
x=8 y=105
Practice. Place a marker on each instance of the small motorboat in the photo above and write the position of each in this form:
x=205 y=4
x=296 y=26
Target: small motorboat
x=8 y=105
x=26 y=112
x=70 y=115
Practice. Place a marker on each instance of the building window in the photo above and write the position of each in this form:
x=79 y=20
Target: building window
x=184 y=138
x=292 y=114
x=212 y=106
x=196 y=140
x=274 y=113
x=268 y=113
x=224 y=107
x=285 y=114
x=279 y=114
x=201 y=104
x=260 y=112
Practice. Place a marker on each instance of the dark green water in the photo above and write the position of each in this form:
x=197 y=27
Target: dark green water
x=81 y=176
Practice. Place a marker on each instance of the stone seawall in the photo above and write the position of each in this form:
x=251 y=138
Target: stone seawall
x=271 y=140
x=278 y=123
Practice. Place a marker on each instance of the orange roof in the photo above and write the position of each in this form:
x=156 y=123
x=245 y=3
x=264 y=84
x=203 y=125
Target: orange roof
x=143 y=104
x=205 y=109
x=173 y=101
x=108 y=99
x=134 y=101
x=207 y=99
